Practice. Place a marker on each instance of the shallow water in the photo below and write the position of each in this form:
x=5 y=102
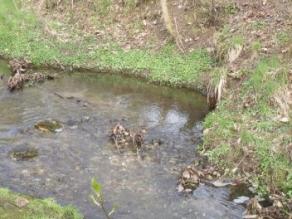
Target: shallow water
x=67 y=161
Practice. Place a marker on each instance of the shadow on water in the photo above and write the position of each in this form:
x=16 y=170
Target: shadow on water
x=68 y=160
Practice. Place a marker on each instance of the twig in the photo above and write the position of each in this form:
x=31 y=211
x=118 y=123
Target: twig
x=117 y=144
x=105 y=211
x=59 y=95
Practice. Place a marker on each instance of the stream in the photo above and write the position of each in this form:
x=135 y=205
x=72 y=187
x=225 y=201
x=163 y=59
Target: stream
x=88 y=106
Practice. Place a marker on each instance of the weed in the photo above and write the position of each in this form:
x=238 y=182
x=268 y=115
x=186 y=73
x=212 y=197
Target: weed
x=98 y=198
x=225 y=41
x=231 y=9
x=258 y=25
x=102 y=6
x=283 y=38
x=256 y=46
x=218 y=153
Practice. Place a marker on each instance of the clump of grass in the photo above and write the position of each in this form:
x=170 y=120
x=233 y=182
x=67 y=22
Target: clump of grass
x=225 y=41
x=102 y=6
x=283 y=37
x=33 y=208
x=256 y=46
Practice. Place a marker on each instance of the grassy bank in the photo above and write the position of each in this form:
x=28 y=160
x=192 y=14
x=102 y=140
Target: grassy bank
x=13 y=205
x=249 y=133
x=22 y=35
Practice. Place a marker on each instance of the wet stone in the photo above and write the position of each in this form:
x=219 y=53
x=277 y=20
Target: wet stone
x=23 y=153
x=241 y=200
x=49 y=126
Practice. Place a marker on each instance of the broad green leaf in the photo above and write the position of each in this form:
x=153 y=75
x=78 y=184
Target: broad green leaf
x=95 y=186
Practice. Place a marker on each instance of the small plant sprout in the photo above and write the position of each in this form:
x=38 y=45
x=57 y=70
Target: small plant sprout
x=98 y=198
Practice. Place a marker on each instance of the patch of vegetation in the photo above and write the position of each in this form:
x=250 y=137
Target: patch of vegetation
x=245 y=135
x=283 y=37
x=22 y=36
x=24 y=207
x=224 y=42
x=102 y=6
x=98 y=199
x=258 y=25
x=256 y=46
x=230 y=8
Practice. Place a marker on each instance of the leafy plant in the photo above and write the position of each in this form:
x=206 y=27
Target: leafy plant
x=98 y=198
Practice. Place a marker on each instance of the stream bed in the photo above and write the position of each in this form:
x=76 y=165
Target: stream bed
x=88 y=106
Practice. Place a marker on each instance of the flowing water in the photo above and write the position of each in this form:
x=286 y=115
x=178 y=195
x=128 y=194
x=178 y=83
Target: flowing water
x=67 y=161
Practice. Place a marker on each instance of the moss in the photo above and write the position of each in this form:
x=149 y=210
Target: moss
x=34 y=209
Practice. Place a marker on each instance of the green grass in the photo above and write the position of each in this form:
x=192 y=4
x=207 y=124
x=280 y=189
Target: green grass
x=235 y=131
x=35 y=209
x=22 y=36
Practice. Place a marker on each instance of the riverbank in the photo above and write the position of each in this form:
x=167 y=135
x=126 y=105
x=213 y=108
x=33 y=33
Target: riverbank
x=248 y=134
x=14 y=205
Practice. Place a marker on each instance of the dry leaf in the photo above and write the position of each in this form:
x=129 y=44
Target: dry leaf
x=21 y=202
x=234 y=53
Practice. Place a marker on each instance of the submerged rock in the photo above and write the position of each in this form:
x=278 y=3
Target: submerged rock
x=49 y=126
x=23 y=153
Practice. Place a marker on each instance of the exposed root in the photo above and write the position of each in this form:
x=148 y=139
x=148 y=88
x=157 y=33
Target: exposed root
x=214 y=94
